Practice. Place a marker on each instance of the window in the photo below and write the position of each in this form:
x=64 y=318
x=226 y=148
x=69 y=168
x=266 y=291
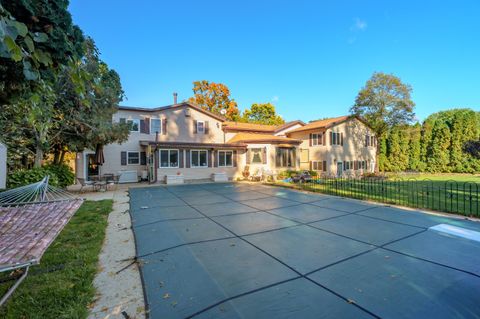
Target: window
x=155 y=126
x=285 y=157
x=169 y=158
x=199 y=159
x=200 y=127
x=225 y=158
x=256 y=155
x=370 y=140
x=336 y=138
x=346 y=165
x=316 y=139
x=317 y=165
x=133 y=158
x=134 y=125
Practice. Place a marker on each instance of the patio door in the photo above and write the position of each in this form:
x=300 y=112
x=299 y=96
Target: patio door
x=92 y=167
x=339 y=169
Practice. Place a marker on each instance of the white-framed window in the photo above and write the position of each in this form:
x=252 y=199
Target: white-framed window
x=256 y=155
x=316 y=139
x=317 y=165
x=370 y=140
x=225 y=158
x=134 y=125
x=337 y=138
x=169 y=158
x=133 y=158
x=199 y=158
x=200 y=126
x=155 y=126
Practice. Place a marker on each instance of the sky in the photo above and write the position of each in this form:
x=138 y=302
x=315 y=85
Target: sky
x=308 y=58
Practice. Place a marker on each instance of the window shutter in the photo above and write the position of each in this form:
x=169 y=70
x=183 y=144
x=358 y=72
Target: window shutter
x=324 y=166
x=311 y=166
x=234 y=159
x=310 y=139
x=341 y=139
x=180 y=159
x=355 y=165
x=143 y=158
x=209 y=156
x=215 y=158
x=247 y=157
x=147 y=125
x=123 y=158
x=187 y=158
x=264 y=155
x=366 y=140
x=194 y=127
x=206 y=127
x=142 y=126
x=324 y=142
x=164 y=126
x=331 y=138
x=123 y=120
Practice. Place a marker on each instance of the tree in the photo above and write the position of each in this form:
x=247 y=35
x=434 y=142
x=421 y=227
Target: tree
x=384 y=102
x=214 y=97
x=441 y=141
x=262 y=113
x=36 y=37
x=415 y=133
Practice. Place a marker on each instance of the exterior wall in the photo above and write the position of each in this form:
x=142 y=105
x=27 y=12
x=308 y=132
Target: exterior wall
x=353 y=148
x=285 y=131
x=3 y=166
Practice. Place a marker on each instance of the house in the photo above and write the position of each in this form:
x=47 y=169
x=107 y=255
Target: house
x=341 y=146
x=187 y=141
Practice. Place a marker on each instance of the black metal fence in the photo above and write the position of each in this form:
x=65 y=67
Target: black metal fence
x=444 y=196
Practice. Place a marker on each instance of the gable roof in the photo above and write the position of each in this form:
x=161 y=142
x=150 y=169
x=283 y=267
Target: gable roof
x=253 y=127
x=325 y=123
x=261 y=139
x=289 y=124
x=172 y=106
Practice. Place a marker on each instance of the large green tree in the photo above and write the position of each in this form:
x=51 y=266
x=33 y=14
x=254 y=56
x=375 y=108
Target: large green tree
x=262 y=113
x=214 y=97
x=384 y=102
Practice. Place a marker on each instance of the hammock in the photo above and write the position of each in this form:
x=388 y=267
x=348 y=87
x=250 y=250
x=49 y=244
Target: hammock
x=31 y=217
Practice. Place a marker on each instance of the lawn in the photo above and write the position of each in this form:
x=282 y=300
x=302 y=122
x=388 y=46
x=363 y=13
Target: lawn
x=439 y=177
x=62 y=285
x=449 y=193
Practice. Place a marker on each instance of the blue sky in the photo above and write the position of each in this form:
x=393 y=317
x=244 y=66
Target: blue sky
x=309 y=58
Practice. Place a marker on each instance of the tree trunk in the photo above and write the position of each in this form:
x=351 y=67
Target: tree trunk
x=38 y=157
x=62 y=157
x=56 y=156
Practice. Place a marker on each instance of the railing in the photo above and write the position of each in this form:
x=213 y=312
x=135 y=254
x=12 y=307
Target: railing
x=444 y=196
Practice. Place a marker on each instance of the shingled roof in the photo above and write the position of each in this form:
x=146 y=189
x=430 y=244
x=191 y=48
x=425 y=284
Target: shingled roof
x=262 y=138
x=322 y=124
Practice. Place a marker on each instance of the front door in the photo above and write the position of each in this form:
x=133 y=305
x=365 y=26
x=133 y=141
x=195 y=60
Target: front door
x=339 y=169
x=92 y=167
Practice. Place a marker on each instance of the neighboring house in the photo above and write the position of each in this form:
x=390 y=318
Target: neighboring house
x=341 y=146
x=185 y=140
x=3 y=166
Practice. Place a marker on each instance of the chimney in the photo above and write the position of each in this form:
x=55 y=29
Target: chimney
x=175 y=97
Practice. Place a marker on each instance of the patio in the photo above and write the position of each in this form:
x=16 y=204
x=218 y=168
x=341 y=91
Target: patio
x=245 y=250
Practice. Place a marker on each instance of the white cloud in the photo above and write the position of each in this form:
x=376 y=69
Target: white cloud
x=275 y=99
x=359 y=25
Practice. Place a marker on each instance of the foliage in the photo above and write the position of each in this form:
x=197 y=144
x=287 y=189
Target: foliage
x=289 y=173
x=68 y=291
x=262 y=113
x=36 y=37
x=472 y=148
x=444 y=142
x=214 y=97
x=60 y=176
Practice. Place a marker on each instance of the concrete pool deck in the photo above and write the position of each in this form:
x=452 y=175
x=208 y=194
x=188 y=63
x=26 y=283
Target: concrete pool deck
x=252 y=251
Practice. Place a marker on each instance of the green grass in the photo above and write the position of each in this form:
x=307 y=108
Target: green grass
x=65 y=292
x=439 y=177
x=459 y=196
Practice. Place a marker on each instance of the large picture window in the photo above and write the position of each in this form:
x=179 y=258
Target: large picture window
x=225 y=158
x=285 y=157
x=169 y=158
x=199 y=158
x=133 y=158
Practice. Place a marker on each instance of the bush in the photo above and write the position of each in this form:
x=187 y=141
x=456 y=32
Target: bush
x=60 y=175
x=287 y=174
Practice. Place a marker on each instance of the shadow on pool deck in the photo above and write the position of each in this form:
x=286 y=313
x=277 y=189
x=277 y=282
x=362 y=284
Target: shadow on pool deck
x=251 y=251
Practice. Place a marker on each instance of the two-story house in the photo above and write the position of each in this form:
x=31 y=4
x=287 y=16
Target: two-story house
x=341 y=146
x=185 y=140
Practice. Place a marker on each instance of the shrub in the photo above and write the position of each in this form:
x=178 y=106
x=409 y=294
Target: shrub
x=60 y=175
x=287 y=173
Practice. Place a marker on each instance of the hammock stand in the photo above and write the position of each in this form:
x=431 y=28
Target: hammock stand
x=31 y=217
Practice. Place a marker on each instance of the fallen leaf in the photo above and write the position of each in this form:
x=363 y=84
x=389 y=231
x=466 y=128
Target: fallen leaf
x=166 y=296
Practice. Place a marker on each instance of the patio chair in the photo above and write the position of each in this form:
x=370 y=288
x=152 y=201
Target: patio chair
x=257 y=176
x=112 y=180
x=84 y=183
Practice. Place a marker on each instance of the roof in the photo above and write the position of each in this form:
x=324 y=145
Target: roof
x=253 y=127
x=262 y=139
x=322 y=124
x=288 y=124
x=193 y=145
x=172 y=106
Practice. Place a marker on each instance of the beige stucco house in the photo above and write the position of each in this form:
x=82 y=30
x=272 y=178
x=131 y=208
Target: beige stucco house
x=184 y=142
